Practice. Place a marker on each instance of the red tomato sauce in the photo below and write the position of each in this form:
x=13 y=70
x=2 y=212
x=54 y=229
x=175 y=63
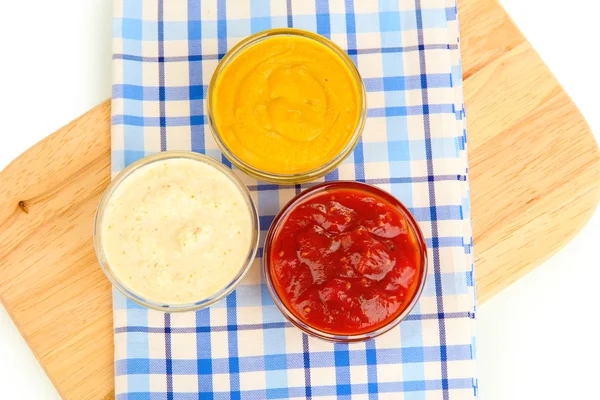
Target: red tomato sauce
x=346 y=261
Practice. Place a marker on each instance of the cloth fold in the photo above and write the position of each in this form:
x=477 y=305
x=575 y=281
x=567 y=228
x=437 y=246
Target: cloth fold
x=413 y=146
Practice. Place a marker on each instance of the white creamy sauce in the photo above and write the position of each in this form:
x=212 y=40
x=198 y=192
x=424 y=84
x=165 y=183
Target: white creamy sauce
x=176 y=231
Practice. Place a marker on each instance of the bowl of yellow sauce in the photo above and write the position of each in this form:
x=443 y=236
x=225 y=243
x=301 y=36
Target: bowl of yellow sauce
x=286 y=105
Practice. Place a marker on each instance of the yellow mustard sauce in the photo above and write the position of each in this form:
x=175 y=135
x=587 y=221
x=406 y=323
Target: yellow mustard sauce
x=286 y=105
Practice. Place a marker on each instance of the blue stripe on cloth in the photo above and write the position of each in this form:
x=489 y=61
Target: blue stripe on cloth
x=351 y=52
x=409 y=110
x=306 y=364
x=351 y=42
x=203 y=353
x=290 y=20
x=222 y=33
x=406 y=82
x=451 y=13
x=222 y=27
x=238 y=28
x=133 y=138
x=198 y=92
x=368 y=22
x=232 y=346
x=168 y=358
x=260 y=18
x=307 y=22
x=412 y=351
x=346 y=358
x=161 y=78
x=130 y=28
x=156 y=121
x=275 y=362
x=371 y=360
x=323 y=21
x=138 y=348
x=373 y=181
x=405 y=150
x=191 y=57
x=132 y=72
x=326 y=390
x=272 y=325
x=432 y=201
x=173 y=30
x=149 y=93
x=342 y=369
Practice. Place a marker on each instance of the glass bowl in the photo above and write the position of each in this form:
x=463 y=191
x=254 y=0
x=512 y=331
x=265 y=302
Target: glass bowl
x=296 y=177
x=129 y=292
x=333 y=187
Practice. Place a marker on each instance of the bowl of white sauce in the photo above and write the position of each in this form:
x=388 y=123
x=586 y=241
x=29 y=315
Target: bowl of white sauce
x=176 y=231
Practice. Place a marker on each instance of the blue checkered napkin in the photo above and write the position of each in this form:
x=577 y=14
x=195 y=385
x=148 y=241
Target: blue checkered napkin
x=164 y=53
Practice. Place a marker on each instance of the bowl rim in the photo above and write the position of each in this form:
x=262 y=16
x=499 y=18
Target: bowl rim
x=296 y=177
x=124 y=174
x=301 y=198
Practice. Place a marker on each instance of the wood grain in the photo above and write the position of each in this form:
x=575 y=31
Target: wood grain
x=535 y=180
x=534 y=164
x=50 y=281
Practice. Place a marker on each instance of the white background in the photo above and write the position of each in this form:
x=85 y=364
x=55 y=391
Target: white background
x=536 y=339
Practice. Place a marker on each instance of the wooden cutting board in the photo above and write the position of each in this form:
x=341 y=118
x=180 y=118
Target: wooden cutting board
x=535 y=180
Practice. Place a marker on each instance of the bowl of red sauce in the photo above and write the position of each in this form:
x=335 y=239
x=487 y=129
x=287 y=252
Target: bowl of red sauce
x=345 y=261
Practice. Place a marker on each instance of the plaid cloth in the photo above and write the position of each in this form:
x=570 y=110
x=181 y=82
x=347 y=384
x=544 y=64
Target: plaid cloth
x=164 y=53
